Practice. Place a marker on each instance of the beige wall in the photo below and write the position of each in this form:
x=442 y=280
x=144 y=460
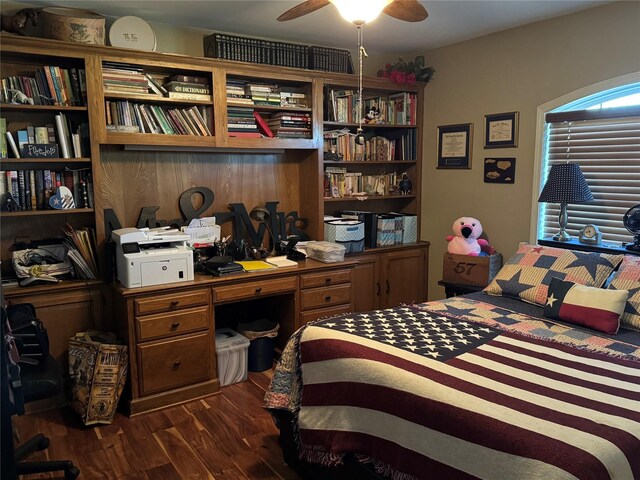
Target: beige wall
x=514 y=70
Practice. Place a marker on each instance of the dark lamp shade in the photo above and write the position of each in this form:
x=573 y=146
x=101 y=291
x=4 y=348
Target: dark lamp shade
x=566 y=184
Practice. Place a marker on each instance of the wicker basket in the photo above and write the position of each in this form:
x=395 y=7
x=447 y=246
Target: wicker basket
x=73 y=25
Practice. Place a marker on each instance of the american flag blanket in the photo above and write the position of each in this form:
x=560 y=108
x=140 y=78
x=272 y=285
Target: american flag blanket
x=424 y=392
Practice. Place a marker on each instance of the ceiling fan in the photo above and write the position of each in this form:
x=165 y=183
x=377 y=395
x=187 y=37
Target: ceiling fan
x=362 y=12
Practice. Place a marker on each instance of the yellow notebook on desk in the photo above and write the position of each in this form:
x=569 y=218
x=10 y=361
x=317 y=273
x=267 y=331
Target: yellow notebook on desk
x=255 y=265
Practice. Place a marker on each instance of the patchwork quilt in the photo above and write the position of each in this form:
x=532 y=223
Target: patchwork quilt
x=462 y=389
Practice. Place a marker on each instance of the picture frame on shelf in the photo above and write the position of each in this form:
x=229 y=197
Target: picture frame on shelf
x=500 y=170
x=454 y=146
x=501 y=130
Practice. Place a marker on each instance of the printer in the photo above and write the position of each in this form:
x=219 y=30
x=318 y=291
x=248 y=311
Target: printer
x=155 y=256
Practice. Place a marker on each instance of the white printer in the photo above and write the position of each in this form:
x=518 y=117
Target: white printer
x=147 y=257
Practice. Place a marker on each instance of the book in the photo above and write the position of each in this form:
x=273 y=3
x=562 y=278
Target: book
x=281 y=261
x=4 y=152
x=62 y=135
x=255 y=265
x=155 y=85
x=187 y=88
x=262 y=125
x=189 y=96
x=12 y=143
x=189 y=79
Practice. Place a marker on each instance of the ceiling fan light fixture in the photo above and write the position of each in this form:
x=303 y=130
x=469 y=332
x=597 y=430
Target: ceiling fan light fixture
x=360 y=11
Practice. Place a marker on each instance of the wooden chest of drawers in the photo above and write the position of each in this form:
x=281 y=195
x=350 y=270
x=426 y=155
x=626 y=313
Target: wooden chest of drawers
x=323 y=294
x=171 y=342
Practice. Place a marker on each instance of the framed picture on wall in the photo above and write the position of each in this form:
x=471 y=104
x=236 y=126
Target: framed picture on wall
x=454 y=145
x=501 y=130
x=499 y=170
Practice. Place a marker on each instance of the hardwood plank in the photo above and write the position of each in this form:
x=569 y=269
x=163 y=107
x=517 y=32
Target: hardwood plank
x=163 y=472
x=182 y=457
x=221 y=437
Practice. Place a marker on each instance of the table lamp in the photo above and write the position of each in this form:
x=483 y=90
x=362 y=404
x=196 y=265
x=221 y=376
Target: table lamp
x=565 y=184
x=262 y=215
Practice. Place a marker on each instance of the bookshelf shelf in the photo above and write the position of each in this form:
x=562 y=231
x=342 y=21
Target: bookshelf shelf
x=367 y=126
x=11 y=287
x=40 y=108
x=372 y=198
x=270 y=108
x=35 y=213
x=345 y=163
x=155 y=99
x=123 y=138
x=33 y=161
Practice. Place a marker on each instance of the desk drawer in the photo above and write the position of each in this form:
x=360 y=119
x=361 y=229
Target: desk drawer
x=310 y=280
x=309 y=316
x=167 y=303
x=249 y=290
x=324 y=297
x=166 y=324
x=175 y=363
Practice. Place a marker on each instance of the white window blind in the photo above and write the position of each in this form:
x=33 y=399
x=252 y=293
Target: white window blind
x=606 y=145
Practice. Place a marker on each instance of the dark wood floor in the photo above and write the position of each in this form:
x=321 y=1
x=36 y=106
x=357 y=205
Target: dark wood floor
x=225 y=436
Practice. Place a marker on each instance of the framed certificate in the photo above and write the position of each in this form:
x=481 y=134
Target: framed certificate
x=501 y=130
x=454 y=145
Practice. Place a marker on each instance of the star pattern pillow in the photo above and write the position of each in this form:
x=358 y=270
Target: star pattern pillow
x=528 y=273
x=628 y=278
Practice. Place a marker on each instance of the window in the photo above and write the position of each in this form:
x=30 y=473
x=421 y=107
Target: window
x=601 y=133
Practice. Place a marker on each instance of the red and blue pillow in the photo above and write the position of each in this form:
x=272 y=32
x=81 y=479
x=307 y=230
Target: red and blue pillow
x=596 y=308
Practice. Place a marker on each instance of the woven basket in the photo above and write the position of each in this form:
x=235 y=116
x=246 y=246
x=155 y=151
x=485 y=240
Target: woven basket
x=73 y=25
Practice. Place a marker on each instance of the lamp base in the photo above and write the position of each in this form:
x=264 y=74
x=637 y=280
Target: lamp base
x=562 y=236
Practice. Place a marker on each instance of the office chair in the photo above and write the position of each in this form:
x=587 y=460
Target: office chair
x=39 y=381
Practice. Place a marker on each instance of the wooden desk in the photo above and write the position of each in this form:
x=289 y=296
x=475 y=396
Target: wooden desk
x=170 y=329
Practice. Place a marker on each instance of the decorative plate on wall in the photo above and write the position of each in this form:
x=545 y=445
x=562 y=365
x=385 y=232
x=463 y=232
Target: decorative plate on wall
x=132 y=32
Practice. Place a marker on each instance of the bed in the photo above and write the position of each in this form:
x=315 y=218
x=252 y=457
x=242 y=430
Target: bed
x=477 y=386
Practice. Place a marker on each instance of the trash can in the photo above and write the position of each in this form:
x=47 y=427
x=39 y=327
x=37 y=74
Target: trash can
x=261 y=334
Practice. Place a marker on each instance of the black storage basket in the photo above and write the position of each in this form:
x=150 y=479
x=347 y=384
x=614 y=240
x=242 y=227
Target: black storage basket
x=261 y=334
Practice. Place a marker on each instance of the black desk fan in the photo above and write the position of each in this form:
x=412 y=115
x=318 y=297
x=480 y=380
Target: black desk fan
x=631 y=221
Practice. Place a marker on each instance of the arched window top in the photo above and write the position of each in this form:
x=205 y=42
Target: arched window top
x=623 y=96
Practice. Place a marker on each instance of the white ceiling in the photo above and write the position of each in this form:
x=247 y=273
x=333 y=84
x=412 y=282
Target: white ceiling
x=449 y=21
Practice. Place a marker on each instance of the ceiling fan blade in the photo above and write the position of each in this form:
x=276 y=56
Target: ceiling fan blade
x=407 y=10
x=302 y=9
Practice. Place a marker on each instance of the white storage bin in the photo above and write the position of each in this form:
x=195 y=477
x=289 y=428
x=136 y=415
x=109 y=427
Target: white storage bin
x=327 y=252
x=233 y=356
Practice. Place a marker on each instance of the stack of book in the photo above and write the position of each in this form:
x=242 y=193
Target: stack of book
x=290 y=125
x=241 y=122
x=263 y=93
x=130 y=117
x=188 y=87
x=340 y=183
x=236 y=91
x=289 y=98
x=50 y=85
x=124 y=78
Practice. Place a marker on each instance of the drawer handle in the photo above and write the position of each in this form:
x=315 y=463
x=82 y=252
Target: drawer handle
x=174 y=303
x=388 y=287
x=177 y=363
x=258 y=290
x=327 y=298
x=378 y=285
x=175 y=325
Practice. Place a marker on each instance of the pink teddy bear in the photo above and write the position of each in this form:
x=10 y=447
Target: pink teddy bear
x=466 y=241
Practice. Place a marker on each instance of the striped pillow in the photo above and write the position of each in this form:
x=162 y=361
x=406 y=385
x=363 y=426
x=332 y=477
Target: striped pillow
x=628 y=278
x=527 y=274
x=592 y=307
